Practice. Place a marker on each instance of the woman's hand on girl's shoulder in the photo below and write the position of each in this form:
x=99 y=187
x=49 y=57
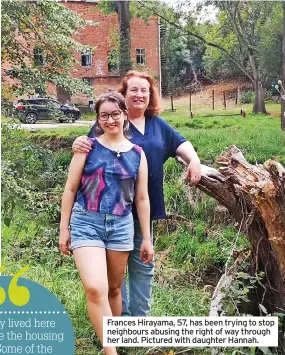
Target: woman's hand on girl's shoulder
x=64 y=241
x=81 y=145
x=146 y=252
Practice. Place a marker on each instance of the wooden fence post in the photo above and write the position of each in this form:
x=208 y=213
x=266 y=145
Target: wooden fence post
x=191 y=114
x=171 y=98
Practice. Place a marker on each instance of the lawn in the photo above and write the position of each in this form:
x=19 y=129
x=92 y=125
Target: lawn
x=191 y=247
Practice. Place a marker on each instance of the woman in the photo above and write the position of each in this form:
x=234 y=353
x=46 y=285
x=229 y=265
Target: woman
x=159 y=142
x=96 y=219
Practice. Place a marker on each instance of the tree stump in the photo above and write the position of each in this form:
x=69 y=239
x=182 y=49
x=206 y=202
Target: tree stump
x=255 y=196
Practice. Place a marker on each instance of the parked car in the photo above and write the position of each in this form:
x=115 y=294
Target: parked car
x=31 y=110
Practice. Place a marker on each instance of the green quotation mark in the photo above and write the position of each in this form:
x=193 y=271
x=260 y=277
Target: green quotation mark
x=18 y=295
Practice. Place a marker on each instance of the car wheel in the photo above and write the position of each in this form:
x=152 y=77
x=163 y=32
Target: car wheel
x=31 y=117
x=71 y=117
x=6 y=112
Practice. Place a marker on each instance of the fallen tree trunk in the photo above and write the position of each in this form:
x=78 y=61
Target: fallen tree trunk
x=255 y=196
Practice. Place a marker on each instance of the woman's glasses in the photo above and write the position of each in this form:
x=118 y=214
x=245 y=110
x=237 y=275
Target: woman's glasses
x=104 y=116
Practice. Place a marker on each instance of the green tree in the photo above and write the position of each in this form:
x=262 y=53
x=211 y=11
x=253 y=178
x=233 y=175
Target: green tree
x=37 y=45
x=181 y=56
x=250 y=32
x=244 y=20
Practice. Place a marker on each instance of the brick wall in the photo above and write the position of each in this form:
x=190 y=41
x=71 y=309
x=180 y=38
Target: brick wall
x=142 y=36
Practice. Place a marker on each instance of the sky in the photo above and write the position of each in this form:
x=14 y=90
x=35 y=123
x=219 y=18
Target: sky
x=208 y=13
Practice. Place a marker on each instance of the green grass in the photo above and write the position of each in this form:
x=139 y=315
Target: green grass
x=191 y=248
x=258 y=136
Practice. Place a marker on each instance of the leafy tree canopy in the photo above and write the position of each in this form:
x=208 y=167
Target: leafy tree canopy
x=251 y=33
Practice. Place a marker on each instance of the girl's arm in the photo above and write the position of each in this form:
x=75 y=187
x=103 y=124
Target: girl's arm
x=143 y=209
x=71 y=187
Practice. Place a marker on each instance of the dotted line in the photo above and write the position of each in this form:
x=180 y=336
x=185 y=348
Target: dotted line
x=32 y=312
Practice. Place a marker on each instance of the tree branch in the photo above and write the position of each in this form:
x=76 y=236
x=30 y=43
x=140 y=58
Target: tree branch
x=195 y=35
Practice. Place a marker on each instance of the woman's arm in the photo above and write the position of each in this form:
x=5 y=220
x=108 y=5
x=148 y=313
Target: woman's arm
x=143 y=210
x=71 y=187
x=187 y=153
x=81 y=144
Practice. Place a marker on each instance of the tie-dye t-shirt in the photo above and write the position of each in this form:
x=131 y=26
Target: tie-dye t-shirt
x=107 y=183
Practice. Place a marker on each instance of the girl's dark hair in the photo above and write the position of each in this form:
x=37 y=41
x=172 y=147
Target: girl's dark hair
x=111 y=96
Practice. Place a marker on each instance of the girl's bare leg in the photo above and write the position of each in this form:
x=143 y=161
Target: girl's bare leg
x=116 y=266
x=92 y=267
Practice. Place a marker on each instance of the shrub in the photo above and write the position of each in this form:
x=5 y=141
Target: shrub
x=247 y=97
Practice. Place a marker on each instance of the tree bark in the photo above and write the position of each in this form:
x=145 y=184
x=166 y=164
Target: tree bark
x=283 y=72
x=259 y=103
x=122 y=8
x=255 y=196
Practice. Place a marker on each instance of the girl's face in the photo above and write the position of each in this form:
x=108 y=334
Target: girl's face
x=111 y=118
x=138 y=94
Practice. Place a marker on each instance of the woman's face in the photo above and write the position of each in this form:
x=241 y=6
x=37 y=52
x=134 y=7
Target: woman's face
x=111 y=118
x=138 y=94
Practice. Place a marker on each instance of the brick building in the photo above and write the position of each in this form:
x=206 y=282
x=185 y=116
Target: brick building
x=98 y=68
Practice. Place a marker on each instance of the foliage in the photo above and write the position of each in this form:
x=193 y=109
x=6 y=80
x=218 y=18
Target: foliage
x=114 y=52
x=182 y=59
x=30 y=178
x=217 y=63
x=269 y=47
x=239 y=291
x=237 y=36
x=46 y=27
x=258 y=26
x=247 y=97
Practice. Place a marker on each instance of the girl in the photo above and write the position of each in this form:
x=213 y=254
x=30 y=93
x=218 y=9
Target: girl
x=96 y=219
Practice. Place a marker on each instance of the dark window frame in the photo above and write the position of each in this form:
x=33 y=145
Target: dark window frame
x=141 y=56
x=38 y=57
x=89 y=81
x=86 y=59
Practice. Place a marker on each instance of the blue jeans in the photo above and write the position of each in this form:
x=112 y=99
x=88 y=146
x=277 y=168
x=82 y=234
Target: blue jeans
x=140 y=278
x=102 y=230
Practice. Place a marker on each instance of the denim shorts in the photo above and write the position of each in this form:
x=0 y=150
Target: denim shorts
x=103 y=230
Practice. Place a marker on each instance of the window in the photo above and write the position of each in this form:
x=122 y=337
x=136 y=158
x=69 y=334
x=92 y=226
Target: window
x=42 y=103
x=53 y=104
x=40 y=91
x=141 y=57
x=86 y=59
x=89 y=81
x=38 y=56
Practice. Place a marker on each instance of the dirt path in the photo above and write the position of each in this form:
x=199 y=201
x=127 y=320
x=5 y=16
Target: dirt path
x=203 y=98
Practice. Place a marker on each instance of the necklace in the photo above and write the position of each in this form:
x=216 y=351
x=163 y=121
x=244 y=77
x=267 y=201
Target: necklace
x=117 y=149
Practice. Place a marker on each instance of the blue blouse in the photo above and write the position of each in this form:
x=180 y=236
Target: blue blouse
x=159 y=142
